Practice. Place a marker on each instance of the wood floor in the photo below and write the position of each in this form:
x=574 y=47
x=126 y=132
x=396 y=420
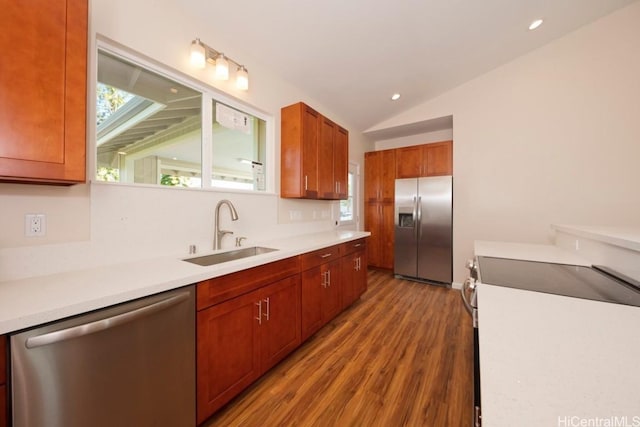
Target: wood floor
x=401 y=356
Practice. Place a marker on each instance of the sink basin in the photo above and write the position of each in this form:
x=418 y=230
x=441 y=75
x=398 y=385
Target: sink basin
x=229 y=256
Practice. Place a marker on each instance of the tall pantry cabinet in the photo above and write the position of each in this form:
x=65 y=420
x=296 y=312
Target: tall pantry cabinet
x=379 y=182
x=43 y=86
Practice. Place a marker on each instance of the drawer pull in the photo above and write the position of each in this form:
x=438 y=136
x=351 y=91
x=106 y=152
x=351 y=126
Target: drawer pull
x=326 y=255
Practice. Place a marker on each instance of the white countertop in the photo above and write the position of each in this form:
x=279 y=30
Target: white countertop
x=29 y=302
x=625 y=237
x=548 y=360
x=527 y=251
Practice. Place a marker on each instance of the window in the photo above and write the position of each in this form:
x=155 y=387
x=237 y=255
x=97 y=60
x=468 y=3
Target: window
x=239 y=143
x=153 y=129
x=148 y=126
x=348 y=207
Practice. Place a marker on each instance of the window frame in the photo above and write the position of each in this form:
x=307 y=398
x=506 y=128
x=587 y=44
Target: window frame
x=353 y=168
x=209 y=95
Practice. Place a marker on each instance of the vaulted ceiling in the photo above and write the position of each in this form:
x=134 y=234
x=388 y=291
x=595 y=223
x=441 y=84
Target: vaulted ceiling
x=352 y=55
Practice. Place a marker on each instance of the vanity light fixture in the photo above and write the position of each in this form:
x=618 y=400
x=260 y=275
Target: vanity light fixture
x=222 y=67
x=201 y=54
x=198 y=54
x=242 y=78
x=535 y=24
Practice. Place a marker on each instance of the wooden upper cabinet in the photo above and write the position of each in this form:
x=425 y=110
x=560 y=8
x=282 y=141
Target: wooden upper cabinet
x=43 y=85
x=299 y=152
x=438 y=159
x=314 y=155
x=379 y=176
x=425 y=160
x=326 y=183
x=409 y=161
x=341 y=162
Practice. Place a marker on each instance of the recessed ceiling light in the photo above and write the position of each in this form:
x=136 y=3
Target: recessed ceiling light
x=535 y=24
x=395 y=96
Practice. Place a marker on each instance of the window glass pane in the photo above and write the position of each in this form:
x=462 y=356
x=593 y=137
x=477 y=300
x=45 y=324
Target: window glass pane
x=346 y=206
x=238 y=144
x=148 y=126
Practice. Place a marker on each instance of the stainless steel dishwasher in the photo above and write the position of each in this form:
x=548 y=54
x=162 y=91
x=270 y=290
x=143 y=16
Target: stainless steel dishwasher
x=128 y=365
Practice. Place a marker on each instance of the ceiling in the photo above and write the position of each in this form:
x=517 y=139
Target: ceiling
x=352 y=55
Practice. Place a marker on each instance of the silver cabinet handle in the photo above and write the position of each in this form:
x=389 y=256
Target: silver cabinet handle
x=328 y=277
x=355 y=264
x=306 y=186
x=268 y=312
x=324 y=279
x=103 y=324
x=326 y=255
x=357 y=245
x=259 y=318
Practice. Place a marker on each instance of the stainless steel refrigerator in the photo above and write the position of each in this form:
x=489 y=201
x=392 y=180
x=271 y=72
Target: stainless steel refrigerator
x=423 y=229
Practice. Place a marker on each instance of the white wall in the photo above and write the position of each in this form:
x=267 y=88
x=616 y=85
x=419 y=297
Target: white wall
x=552 y=137
x=423 y=138
x=92 y=224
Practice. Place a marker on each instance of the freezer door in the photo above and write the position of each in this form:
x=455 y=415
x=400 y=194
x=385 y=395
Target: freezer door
x=435 y=229
x=405 y=227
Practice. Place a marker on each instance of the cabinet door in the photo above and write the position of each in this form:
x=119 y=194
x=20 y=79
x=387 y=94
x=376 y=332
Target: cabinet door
x=438 y=159
x=43 y=102
x=388 y=173
x=372 y=176
x=341 y=162
x=299 y=151
x=349 y=268
x=409 y=162
x=331 y=301
x=372 y=224
x=326 y=183
x=280 y=328
x=227 y=351
x=387 y=236
x=311 y=310
x=360 y=275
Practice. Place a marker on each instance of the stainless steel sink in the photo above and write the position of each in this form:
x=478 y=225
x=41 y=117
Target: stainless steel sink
x=229 y=256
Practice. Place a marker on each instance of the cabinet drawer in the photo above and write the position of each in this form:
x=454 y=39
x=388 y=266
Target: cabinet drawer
x=321 y=256
x=354 y=245
x=219 y=289
x=3 y=360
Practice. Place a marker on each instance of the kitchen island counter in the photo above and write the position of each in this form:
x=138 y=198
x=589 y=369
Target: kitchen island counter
x=33 y=301
x=549 y=360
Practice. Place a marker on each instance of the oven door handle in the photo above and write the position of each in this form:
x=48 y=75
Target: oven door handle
x=468 y=284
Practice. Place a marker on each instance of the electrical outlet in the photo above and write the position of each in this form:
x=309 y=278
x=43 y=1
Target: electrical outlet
x=35 y=225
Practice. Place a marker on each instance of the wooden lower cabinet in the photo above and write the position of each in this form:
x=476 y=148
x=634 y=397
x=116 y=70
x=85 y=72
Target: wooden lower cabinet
x=239 y=339
x=379 y=221
x=250 y=320
x=321 y=296
x=354 y=276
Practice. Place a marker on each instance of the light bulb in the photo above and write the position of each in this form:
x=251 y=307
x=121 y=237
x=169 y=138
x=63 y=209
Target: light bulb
x=198 y=54
x=535 y=24
x=242 y=78
x=222 y=67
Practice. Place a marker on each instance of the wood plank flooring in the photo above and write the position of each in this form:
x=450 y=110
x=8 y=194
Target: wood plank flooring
x=401 y=356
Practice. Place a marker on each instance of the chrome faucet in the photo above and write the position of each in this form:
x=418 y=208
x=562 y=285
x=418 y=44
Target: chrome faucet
x=219 y=234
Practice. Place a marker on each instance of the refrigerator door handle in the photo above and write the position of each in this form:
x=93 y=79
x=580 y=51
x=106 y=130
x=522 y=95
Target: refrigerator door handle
x=414 y=216
x=419 y=222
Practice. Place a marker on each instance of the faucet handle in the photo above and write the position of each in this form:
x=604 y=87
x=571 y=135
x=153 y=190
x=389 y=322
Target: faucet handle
x=239 y=241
